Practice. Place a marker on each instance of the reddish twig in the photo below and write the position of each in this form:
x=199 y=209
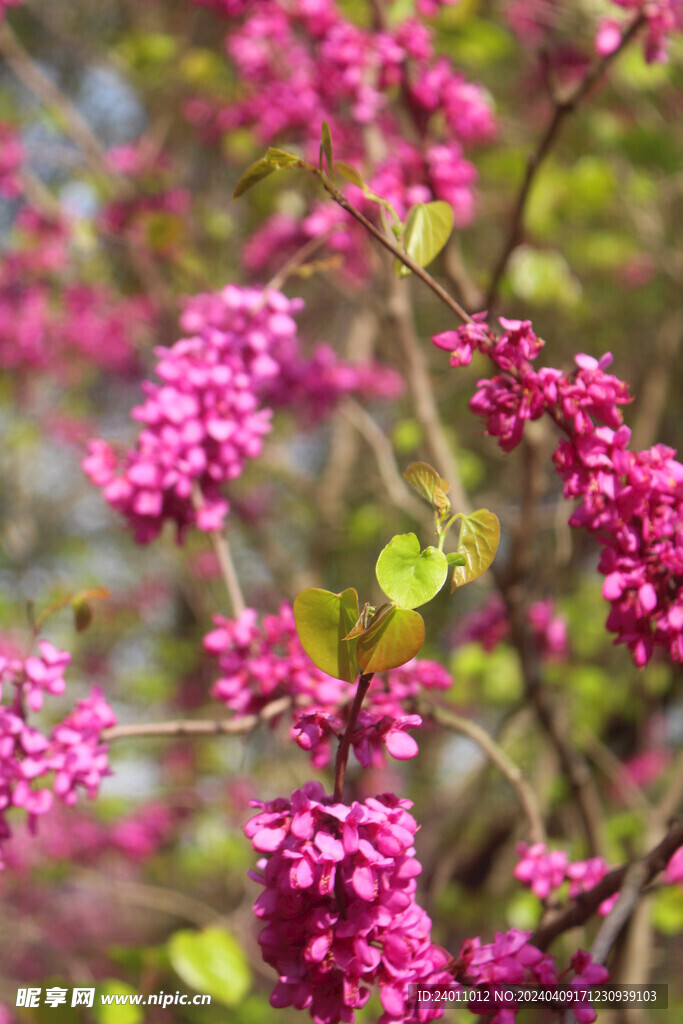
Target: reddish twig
x=345 y=742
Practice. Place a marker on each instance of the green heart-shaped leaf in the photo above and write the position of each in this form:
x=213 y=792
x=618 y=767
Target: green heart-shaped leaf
x=479 y=536
x=428 y=228
x=394 y=636
x=427 y=482
x=322 y=621
x=408 y=576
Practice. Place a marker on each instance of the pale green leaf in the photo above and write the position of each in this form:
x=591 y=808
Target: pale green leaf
x=428 y=228
x=408 y=576
x=394 y=636
x=323 y=620
x=479 y=536
x=427 y=482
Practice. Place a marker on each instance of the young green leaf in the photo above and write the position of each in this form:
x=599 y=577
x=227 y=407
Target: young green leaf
x=428 y=228
x=479 y=536
x=349 y=172
x=322 y=621
x=274 y=160
x=326 y=144
x=394 y=636
x=456 y=559
x=427 y=482
x=408 y=576
x=279 y=159
x=257 y=172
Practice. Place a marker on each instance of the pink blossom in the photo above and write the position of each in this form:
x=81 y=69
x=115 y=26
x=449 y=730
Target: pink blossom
x=674 y=869
x=631 y=501
x=208 y=415
x=662 y=18
x=338 y=905
x=588 y=974
x=260 y=663
x=11 y=153
x=347 y=74
x=584 y=875
x=73 y=753
x=608 y=37
x=541 y=871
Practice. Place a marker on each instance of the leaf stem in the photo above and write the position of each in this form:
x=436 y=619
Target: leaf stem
x=345 y=742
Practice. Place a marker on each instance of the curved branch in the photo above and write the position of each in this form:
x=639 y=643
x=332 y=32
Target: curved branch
x=31 y=75
x=497 y=756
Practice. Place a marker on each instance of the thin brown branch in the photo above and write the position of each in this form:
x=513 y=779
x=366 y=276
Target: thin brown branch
x=562 y=108
x=634 y=880
x=497 y=756
x=198 y=727
x=221 y=549
x=31 y=75
x=232 y=584
x=398 y=252
x=297 y=260
x=422 y=393
x=587 y=903
x=572 y=763
x=381 y=447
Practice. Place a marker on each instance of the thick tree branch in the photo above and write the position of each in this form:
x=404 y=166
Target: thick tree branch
x=587 y=903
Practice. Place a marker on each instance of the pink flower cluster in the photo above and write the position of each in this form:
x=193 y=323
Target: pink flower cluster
x=11 y=158
x=73 y=751
x=490 y=625
x=71 y=836
x=261 y=662
x=351 y=76
x=154 y=214
x=674 y=869
x=4 y=4
x=209 y=414
x=631 y=501
x=511 y=960
x=545 y=871
x=50 y=323
x=662 y=18
x=338 y=905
